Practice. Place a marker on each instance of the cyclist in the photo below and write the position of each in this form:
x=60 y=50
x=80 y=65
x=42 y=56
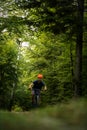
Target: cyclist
x=36 y=87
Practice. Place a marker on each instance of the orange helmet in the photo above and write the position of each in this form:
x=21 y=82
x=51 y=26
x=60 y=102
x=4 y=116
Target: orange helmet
x=40 y=76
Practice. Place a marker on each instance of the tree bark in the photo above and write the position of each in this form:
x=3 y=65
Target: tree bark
x=79 y=42
x=71 y=65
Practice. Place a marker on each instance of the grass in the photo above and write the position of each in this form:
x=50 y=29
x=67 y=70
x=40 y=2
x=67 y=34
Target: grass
x=70 y=116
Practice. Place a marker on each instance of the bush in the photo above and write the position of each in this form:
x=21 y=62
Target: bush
x=16 y=108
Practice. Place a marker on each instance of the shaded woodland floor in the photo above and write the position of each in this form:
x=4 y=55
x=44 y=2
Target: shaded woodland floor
x=69 y=116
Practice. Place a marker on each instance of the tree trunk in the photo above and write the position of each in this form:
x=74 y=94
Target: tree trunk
x=79 y=41
x=12 y=98
x=71 y=65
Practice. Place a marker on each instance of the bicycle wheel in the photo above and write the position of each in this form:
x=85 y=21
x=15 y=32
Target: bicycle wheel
x=37 y=99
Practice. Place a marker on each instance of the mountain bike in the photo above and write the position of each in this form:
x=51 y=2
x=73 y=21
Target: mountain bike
x=36 y=100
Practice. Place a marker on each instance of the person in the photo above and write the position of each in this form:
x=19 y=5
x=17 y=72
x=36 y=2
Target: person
x=37 y=86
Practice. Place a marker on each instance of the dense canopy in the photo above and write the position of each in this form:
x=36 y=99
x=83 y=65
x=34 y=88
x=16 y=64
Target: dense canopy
x=42 y=36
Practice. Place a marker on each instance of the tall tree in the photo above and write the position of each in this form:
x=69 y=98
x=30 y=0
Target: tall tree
x=79 y=45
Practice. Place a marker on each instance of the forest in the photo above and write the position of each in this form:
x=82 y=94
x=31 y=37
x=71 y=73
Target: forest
x=47 y=37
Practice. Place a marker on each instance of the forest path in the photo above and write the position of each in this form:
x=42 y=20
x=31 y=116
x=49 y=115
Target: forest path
x=32 y=121
x=71 y=116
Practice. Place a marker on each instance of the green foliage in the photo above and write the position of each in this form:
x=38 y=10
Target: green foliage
x=72 y=115
x=55 y=16
x=17 y=109
x=8 y=70
x=51 y=53
x=47 y=54
x=22 y=98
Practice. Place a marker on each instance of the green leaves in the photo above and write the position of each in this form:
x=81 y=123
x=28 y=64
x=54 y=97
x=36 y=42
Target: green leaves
x=8 y=69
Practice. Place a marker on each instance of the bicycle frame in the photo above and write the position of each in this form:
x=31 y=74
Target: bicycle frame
x=36 y=97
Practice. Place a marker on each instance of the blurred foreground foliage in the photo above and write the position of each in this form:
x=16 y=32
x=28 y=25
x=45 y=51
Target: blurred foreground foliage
x=69 y=116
